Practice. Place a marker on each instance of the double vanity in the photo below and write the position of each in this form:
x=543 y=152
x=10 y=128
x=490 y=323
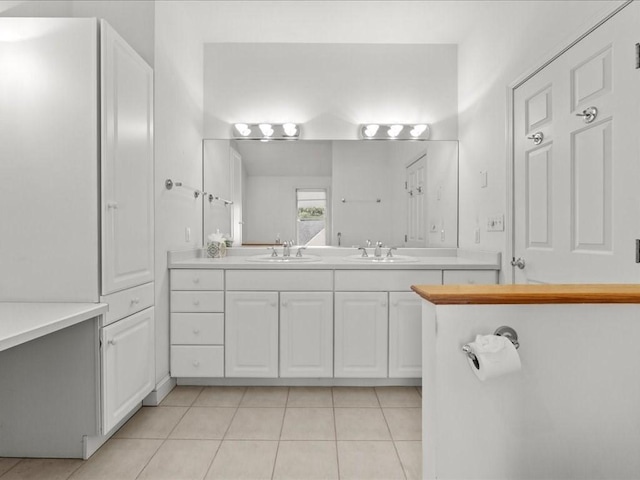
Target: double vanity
x=327 y=317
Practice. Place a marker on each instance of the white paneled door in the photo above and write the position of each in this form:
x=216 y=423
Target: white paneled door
x=416 y=215
x=127 y=165
x=577 y=161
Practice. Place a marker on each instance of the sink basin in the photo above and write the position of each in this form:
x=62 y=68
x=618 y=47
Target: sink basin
x=372 y=259
x=267 y=258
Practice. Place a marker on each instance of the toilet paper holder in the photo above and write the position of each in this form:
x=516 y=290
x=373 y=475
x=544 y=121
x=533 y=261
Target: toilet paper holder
x=503 y=331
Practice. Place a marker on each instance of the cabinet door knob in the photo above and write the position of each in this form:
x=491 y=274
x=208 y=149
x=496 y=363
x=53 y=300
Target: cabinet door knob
x=196 y=363
x=285 y=304
x=112 y=342
x=196 y=302
x=274 y=304
x=135 y=301
x=196 y=280
x=196 y=331
x=112 y=205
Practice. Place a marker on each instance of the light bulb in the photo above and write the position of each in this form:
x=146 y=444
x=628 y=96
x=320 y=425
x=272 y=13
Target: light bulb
x=266 y=129
x=394 y=130
x=417 y=130
x=290 y=129
x=243 y=129
x=371 y=130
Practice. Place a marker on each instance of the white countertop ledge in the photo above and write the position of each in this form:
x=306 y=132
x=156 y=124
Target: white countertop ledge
x=23 y=322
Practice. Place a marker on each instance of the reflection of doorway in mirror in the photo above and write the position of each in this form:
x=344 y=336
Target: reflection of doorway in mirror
x=415 y=187
x=311 y=217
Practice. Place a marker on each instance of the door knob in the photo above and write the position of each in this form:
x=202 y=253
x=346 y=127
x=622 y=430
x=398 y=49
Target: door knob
x=537 y=138
x=588 y=114
x=518 y=262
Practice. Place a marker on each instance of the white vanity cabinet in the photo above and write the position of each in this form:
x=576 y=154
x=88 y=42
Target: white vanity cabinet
x=306 y=334
x=405 y=335
x=197 y=323
x=361 y=320
x=251 y=334
x=279 y=323
x=128 y=365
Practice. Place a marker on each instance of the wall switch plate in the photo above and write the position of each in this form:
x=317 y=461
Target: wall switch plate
x=483 y=179
x=495 y=223
x=187 y=234
x=477 y=235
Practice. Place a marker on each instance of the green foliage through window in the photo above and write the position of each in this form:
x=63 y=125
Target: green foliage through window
x=311 y=213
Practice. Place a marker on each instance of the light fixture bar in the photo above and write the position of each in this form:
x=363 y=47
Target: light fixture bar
x=265 y=131
x=394 y=131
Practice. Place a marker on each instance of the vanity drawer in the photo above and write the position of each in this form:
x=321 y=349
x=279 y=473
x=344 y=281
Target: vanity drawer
x=197 y=328
x=275 y=280
x=385 y=280
x=197 y=279
x=469 y=277
x=190 y=301
x=127 y=302
x=197 y=361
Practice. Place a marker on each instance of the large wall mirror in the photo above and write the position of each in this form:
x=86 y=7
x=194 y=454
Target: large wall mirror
x=332 y=192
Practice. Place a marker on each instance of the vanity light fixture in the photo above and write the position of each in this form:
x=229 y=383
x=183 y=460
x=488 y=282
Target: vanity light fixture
x=396 y=131
x=265 y=131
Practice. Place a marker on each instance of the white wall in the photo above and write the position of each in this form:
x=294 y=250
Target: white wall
x=178 y=151
x=494 y=54
x=217 y=181
x=330 y=88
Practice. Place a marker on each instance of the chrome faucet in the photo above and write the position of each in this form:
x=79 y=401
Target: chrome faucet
x=364 y=251
x=299 y=253
x=389 y=254
x=286 y=249
x=378 y=250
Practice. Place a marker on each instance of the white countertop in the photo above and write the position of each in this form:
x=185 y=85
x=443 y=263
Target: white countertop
x=335 y=259
x=23 y=322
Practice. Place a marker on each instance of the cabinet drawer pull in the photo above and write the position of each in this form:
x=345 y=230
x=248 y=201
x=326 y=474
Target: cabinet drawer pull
x=196 y=363
x=285 y=304
x=135 y=301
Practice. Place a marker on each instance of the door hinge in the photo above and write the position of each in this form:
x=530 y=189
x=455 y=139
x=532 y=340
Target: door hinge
x=405 y=185
x=637 y=55
x=405 y=238
x=637 y=250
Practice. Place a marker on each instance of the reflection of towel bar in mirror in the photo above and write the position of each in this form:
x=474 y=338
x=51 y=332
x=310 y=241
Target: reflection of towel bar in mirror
x=169 y=184
x=354 y=200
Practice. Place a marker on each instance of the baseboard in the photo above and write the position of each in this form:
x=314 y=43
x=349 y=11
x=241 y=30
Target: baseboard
x=162 y=390
x=90 y=444
x=303 y=382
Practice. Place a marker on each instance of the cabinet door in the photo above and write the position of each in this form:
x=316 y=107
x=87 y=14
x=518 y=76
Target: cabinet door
x=306 y=334
x=251 y=334
x=405 y=335
x=361 y=334
x=128 y=367
x=126 y=165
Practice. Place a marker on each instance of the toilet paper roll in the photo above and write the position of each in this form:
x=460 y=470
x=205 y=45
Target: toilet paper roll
x=495 y=356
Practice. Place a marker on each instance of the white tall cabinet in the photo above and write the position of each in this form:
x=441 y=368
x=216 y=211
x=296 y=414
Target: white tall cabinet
x=76 y=143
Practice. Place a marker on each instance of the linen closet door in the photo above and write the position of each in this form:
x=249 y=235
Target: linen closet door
x=127 y=165
x=576 y=196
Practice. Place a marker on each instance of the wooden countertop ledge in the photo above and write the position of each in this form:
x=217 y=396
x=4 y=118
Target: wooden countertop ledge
x=528 y=294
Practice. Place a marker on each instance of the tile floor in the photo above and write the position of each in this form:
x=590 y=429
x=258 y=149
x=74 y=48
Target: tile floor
x=247 y=433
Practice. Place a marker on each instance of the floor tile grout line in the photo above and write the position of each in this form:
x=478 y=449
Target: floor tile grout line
x=16 y=464
x=393 y=442
x=225 y=433
x=163 y=440
x=335 y=431
x=284 y=414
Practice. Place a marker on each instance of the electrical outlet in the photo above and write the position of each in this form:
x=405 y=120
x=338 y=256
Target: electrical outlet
x=477 y=235
x=187 y=234
x=495 y=223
